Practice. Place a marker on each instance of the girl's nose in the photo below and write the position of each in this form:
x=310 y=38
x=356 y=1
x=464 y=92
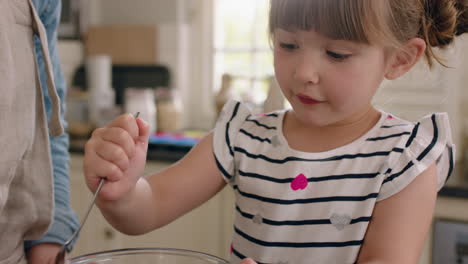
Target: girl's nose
x=306 y=71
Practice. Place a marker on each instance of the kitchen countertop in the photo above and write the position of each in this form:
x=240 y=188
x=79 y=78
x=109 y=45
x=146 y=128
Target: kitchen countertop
x=454 y=191
x=456 y=186
x=160 y=152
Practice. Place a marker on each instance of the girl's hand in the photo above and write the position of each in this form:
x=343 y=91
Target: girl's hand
x=248 y=261
x=43 y=253
x=116 y=152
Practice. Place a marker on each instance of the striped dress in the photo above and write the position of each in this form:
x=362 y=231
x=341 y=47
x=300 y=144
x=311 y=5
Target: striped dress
x=296 y=207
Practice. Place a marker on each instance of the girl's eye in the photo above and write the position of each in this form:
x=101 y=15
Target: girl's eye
x=338 y=56
x=288 y=46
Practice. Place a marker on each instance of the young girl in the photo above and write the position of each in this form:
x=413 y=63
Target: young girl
x=334 y=180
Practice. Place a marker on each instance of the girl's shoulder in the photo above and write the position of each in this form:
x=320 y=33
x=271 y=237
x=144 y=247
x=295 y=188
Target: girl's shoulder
x=240 y=115
x=433 y=128
x=235 y=121
x=420 y=144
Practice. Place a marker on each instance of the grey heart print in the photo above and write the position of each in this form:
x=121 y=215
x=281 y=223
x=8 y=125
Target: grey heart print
x=257 y=219
x=275 y=141
x=340 y=221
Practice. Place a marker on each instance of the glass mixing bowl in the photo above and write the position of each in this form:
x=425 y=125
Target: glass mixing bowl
x=147 y=256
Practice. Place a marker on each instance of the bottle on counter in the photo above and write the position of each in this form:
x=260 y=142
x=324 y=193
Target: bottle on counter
x=169 y=110
x=225 y=92
x=142 y=100
x=101 y=94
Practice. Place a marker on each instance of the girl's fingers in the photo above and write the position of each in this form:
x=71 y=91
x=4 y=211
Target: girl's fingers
x=121 y=138
x=124 y=131
x=143 y=130
x=110 y=150
x=96 y=167
x=113 y=153
x=128 y=123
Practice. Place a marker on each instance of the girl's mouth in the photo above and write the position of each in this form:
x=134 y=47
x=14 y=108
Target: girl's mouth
x=308 y=100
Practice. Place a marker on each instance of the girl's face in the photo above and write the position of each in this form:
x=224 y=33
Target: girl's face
x=326 y=81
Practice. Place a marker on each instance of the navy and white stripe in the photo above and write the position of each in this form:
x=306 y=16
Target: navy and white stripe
x=303 y=222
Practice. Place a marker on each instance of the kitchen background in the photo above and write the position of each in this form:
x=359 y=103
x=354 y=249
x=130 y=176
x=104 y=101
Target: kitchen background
x=177 y=62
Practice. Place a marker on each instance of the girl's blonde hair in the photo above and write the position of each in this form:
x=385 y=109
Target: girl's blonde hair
x=387 y=22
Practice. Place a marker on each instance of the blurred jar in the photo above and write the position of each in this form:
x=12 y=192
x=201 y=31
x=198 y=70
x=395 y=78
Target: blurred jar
x=169 y=110
x=142 y=100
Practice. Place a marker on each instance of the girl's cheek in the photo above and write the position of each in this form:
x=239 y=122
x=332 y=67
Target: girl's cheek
x=339 y=96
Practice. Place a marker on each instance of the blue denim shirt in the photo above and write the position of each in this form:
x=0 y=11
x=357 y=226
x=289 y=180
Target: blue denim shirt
x=65 y=221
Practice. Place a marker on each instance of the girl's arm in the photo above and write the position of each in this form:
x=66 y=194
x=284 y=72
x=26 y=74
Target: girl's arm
x=162 y=197
x=399 y=224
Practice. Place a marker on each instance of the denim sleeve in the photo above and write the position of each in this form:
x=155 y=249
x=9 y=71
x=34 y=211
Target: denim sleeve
x=65 y=221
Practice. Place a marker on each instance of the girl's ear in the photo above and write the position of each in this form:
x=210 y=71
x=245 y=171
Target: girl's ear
x=404 y=58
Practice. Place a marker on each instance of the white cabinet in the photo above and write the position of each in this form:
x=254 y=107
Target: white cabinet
x=96 y=235
x=205 y=229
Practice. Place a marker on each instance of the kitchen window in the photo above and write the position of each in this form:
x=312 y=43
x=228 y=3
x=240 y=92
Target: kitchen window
x=242 y=48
